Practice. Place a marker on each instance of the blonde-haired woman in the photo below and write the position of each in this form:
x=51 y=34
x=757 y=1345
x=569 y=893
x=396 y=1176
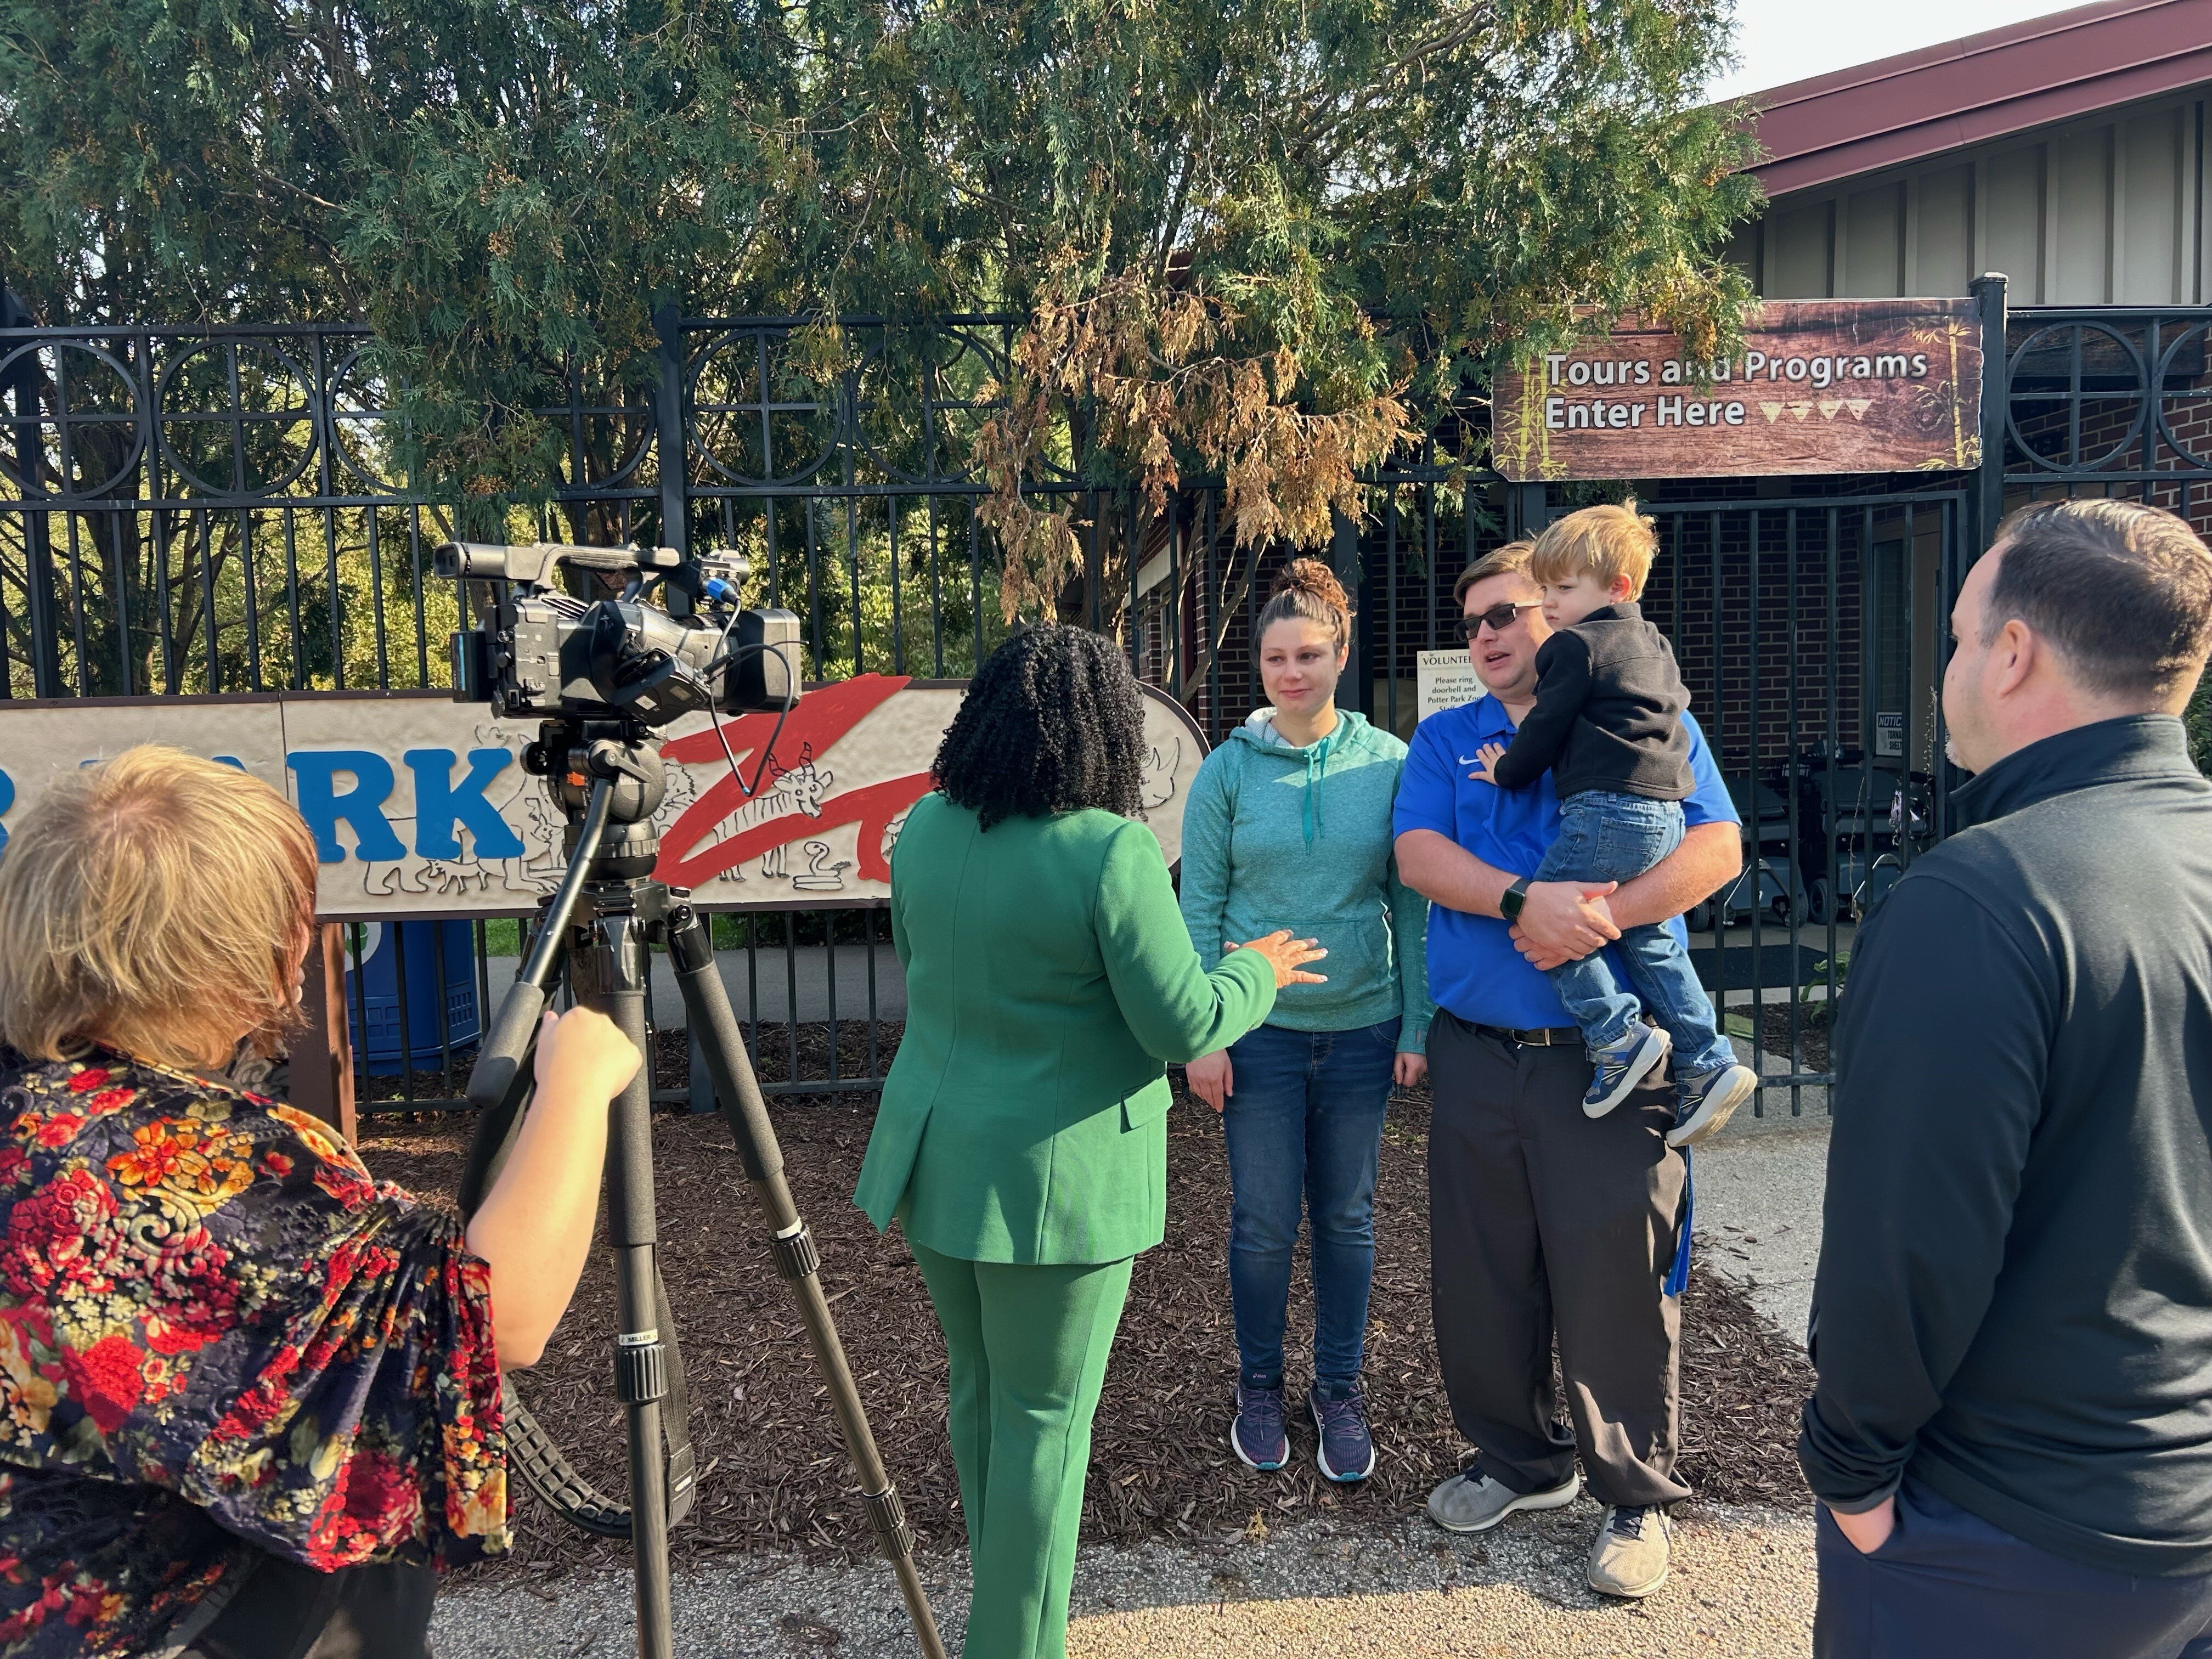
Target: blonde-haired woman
x=252 y=1394
x=1291 y=818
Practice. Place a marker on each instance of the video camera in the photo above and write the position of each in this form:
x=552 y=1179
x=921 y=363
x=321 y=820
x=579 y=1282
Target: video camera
x=539 y=652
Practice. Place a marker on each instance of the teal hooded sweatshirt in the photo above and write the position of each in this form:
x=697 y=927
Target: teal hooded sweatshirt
x=1277 y=837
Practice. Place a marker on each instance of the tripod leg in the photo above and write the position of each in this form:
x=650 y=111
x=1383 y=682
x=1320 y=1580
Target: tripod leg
x=715 y=1028
x=610 y=974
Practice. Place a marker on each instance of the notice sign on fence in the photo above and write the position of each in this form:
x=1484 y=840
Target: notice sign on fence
x=420 y=806
x=1821 y=386
x=1445 y=679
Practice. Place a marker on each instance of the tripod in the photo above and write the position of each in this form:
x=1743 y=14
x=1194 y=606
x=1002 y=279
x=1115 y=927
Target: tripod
x=607 y=776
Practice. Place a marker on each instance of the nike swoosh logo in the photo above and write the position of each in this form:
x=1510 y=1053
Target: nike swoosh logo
x=1468 y=759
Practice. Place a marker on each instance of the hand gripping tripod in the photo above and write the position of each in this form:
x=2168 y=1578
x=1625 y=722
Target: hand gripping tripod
x=606 y=777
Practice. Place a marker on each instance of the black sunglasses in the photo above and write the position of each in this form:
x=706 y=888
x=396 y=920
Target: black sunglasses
x=1499 y=616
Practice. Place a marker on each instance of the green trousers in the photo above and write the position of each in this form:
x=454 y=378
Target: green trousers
x=1028 y=1348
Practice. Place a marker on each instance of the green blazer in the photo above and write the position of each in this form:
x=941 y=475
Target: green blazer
x=1048 y=975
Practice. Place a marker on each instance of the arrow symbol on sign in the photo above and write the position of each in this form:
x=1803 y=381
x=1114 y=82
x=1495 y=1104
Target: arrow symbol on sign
x=1829 y=406
x=1772 y=411
x=1859 y=406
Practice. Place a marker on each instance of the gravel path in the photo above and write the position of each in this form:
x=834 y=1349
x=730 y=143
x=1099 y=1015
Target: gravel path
x=1758 y=1212
x=1742 y=1588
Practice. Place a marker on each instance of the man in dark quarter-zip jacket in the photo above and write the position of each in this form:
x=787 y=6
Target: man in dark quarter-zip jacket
x=2011 y=1438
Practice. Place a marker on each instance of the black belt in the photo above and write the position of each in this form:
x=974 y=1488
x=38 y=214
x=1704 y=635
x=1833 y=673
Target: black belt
x=1547 y=1036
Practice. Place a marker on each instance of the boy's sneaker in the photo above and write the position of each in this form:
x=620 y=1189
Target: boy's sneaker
x=1707 y=1101
x=1346 y=1451
x=1256 y=1436
x=1616 y=1070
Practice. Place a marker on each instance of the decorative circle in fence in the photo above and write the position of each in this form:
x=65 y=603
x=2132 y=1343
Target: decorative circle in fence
x=755 y=416
x=85 y=427
x=606 y=426
x=2093 y=375
x=2184 y=358
x=915 y=409
x=237 y=418
x=361 y=404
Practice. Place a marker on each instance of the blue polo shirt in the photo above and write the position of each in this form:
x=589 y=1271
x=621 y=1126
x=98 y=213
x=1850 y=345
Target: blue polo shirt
x=1473 y=969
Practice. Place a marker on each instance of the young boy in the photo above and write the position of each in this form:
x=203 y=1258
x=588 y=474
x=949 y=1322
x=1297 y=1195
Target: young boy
x=1608 y=726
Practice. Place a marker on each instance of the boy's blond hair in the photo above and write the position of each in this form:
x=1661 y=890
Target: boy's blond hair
x=1605 y=541
x=156 y=902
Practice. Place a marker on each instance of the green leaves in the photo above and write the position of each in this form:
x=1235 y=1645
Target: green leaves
x=1374 y=204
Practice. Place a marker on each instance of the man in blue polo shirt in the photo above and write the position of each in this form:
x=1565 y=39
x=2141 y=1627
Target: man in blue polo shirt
x=1543 y=1221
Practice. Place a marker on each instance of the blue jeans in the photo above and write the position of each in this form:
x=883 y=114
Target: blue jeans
x=1304 y=1128
x=1606 y=837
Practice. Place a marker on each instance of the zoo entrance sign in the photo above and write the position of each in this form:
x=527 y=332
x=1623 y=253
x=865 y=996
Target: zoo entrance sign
x=1821 y=386
x=420 y=806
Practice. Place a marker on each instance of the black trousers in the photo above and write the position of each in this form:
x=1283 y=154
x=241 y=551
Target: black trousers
x=1544 y=1223
x=1949 y=1585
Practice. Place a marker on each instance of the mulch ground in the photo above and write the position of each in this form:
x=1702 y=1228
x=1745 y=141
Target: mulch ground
x=1811 y=1034
x=774 y=1472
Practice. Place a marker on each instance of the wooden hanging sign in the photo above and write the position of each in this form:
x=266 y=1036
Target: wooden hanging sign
x=1821 y=385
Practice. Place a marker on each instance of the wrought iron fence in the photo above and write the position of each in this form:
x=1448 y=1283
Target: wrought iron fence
x=197 y=511
x=193 y=511
x=2111 y=396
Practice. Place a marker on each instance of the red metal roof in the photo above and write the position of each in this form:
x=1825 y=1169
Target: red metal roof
x=1984 y=87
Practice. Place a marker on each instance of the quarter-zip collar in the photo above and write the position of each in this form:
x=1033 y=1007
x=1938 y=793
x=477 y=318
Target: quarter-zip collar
x=2104 y=752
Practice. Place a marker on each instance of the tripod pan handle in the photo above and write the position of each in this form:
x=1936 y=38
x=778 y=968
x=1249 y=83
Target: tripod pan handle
x=508 y=1045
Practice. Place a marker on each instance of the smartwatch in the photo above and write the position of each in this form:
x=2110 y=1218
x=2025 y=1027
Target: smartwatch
x=1511 y=901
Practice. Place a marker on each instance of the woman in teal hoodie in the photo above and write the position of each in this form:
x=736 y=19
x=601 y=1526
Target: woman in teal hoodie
x=1290 y=821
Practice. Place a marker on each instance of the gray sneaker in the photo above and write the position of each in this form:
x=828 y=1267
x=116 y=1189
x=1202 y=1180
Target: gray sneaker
x=1705 y=1103
x=1473 y=1502
x=1630 y=1557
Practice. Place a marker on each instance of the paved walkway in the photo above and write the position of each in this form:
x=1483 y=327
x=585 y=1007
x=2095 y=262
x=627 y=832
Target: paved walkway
x=1742 y=1589
x=1760 y=1183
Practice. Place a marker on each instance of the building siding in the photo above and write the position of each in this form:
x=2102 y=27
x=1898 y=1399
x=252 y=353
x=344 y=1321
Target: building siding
x=2110 y=210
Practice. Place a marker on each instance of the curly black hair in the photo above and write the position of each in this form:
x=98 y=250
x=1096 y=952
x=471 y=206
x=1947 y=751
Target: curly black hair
x=1053 y=722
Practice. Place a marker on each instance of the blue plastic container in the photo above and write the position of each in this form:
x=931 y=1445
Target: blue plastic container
x=379 y=1049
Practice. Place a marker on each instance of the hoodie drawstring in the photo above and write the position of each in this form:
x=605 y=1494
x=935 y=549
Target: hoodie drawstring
x=1309 y=802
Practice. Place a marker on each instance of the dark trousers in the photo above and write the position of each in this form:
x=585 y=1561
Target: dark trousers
x=1545 y=1224
x=285 y=1611
x=1945 y=1584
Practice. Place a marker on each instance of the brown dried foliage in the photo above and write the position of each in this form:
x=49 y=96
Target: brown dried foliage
x=1161 y=376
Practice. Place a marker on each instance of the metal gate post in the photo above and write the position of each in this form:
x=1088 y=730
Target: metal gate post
x=38 y=537
x=669 y=436
x=1989 y=292
x=1527 y=510
x=1344 y=560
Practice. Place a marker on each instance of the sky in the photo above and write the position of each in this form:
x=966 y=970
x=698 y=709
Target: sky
x=1783 y=41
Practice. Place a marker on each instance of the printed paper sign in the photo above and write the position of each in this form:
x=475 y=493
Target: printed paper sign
x=420 y=806
x=1445 y=679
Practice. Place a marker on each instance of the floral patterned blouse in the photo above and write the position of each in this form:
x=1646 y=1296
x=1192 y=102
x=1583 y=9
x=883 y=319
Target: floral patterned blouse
x=218 y=1337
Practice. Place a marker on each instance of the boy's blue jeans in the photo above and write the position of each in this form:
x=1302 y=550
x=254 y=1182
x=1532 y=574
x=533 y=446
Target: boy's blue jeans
x=1304 y=1130
x=1609 y=837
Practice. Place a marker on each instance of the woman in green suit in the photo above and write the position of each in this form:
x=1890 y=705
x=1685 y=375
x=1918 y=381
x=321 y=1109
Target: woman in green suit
x=1022 y=1143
